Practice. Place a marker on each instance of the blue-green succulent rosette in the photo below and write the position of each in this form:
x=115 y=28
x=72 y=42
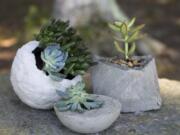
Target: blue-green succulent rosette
x=58 y=33
x=54 y=59
x=76 y=99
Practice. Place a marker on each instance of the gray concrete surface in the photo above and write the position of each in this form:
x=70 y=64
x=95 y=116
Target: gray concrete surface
x=18 y=119
x=136 y=88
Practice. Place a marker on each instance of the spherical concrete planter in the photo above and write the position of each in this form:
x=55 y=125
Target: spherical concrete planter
x=92 y=121
x=136 y=88
x=32 y=85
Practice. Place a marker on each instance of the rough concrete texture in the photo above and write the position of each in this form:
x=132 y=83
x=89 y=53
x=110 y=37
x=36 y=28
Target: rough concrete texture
x=18 y=119
x=92 y=121
x=32 y=85
x=136 y=89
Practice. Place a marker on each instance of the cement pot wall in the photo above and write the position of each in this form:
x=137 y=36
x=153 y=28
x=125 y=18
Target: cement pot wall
x=136 y=88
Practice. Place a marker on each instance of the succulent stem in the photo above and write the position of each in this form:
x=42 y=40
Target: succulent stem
x=129 y=35
x=126 y=51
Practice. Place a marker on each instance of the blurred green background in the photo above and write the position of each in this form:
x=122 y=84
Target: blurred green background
x=21 y=19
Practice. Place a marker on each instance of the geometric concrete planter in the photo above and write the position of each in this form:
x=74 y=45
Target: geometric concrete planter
x=32 y=85
x=94 y=120
x=136 y=88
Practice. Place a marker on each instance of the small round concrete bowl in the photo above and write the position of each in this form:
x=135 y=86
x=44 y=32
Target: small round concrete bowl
x=92 y=121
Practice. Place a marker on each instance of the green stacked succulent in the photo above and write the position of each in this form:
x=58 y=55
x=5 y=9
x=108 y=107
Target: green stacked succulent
x=56 y=31
x=129 y=35
x=77 y=100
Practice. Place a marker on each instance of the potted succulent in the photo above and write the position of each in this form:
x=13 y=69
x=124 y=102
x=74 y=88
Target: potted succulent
x=131 y=79
x=55 y=59
x=86 y=113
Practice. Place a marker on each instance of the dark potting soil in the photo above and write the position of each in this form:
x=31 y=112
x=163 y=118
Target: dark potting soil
x=136 y=62
x=40 y=63
x=129 y=62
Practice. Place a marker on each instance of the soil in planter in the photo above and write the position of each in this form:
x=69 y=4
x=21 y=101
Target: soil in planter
x=131 y=62
x=40 y=63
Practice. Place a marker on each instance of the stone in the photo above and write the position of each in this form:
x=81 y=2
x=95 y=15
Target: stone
x=32 y=85
x=18 y=119
x=136 y=88
x=92 y=121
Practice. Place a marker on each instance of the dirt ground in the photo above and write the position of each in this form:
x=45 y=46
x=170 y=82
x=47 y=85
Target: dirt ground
x=162 y=18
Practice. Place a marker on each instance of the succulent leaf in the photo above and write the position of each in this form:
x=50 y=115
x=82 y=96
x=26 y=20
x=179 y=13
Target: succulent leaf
x=129 y=35
x=118 y=23
x=114 y=27
x=118 y=48
x=77 y=100
x=131 y=23
x=132 y=49
x=138 y=28
x=133 y=37
x=124 y=28
x=54 y=60
x=56 y=31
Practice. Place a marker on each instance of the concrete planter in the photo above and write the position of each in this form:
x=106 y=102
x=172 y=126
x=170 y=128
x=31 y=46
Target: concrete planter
x=32 y=85
x=92 y=121
x=136 y=88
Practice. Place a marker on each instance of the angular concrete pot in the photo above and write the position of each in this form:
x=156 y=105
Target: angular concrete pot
x=92 y=121
x=32 y=85
x=136 y=88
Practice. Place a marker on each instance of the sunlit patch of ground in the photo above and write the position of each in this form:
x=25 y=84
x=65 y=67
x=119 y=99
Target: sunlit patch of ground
x=8 y=42
x=7 y=53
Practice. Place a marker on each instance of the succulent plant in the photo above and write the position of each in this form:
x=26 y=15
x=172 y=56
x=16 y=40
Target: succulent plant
x=129 y=35
x=77 y=100
x=54 y=60
x=56 y=31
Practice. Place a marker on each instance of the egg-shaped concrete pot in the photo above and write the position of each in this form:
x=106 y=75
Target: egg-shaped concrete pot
x=136 y=88
x=32 y=85
x=92 y=121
